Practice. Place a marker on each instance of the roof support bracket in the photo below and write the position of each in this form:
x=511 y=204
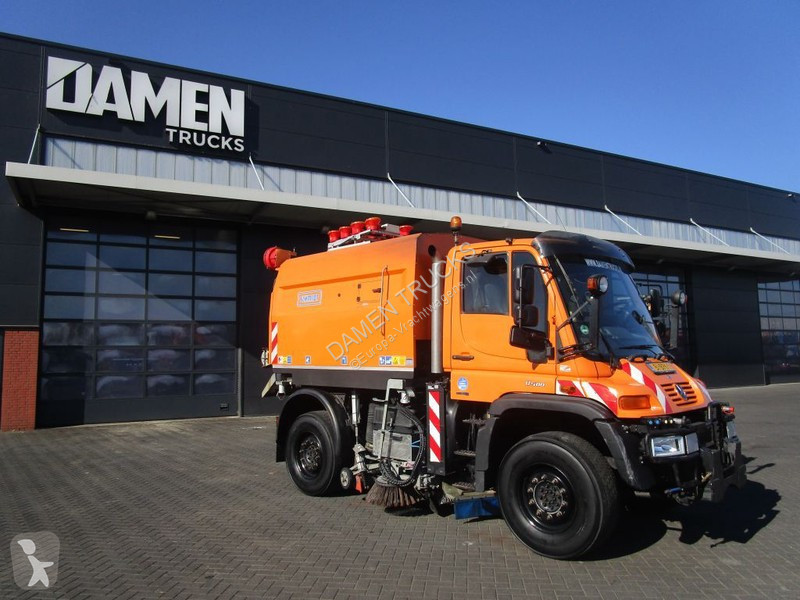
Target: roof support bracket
x=769 y=241
x=707 y=232
x=35 y=140
x=531 y=208
x=411 y=204
x=252 y=164
x=621 y=220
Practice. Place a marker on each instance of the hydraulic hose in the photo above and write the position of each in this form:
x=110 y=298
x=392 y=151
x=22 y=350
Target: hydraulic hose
x=385 y=463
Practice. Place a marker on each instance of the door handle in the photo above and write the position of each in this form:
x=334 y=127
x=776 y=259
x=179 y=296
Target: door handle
x=463 y=357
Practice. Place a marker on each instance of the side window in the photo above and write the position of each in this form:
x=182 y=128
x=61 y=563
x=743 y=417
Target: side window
x=540 y=293
x=486 y=283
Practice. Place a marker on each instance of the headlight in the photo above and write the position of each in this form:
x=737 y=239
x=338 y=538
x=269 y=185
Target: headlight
x=665 y=446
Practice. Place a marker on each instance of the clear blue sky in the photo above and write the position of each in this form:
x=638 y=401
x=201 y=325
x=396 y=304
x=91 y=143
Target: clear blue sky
x=710 y=85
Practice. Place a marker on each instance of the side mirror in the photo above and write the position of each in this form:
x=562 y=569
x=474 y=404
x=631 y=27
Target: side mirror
x=524 y=284
x=656 y=305
x=678 y=299
x=525 y=314
x=532 y=341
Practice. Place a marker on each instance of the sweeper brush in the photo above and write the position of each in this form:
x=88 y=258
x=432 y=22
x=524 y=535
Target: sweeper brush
x=386 y=495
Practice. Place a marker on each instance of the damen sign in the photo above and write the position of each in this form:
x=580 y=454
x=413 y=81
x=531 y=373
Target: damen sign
x=194 y=113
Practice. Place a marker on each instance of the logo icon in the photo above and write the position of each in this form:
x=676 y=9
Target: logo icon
x=463 y=384
x=309 y=298
x=681 y=392
x=34 y=559
x=74 y=86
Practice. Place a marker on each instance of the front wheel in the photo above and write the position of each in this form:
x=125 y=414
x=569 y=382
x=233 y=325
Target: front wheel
x=558 y=494
x=311 y=456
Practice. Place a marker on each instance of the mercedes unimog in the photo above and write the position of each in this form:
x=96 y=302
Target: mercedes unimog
x=421 y=367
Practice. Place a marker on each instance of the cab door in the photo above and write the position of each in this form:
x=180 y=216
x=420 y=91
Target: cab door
x=482 y=363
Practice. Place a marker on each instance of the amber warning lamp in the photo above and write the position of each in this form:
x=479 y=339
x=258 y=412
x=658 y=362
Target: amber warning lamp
x=597 y=285
x=455 y=227
x=274 y=257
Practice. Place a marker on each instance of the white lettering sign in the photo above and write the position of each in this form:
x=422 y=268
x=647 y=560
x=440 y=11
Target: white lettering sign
x=194 y=113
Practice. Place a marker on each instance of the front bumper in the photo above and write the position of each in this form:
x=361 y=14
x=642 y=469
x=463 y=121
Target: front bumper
x=707 y=472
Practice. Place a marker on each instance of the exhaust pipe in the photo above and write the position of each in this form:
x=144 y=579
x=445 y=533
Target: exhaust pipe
x=437 y=312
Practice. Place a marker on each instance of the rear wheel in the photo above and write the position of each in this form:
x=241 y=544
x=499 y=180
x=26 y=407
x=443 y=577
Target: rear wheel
x=558 y=494
x=312 y=458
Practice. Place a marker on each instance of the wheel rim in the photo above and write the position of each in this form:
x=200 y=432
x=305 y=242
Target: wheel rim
x=548 y=498
x=309 y=455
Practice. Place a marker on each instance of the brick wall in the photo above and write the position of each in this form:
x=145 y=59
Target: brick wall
x=20 y=366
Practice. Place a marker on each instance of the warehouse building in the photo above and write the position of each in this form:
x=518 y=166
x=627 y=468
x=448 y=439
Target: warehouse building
x=138 y=199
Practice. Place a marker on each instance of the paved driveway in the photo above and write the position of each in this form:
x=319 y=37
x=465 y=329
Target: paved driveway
x=198 y=509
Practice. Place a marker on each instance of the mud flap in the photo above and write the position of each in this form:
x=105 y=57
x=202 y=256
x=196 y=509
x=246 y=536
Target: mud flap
x=625 y=451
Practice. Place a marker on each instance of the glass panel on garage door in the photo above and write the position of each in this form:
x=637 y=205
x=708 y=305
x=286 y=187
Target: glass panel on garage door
x=138 y=322
x=667 y=282
x=779 y=302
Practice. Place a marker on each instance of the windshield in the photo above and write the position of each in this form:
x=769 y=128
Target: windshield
x=625 y=324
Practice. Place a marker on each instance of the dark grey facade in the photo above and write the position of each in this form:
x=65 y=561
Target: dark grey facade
x=338 y=141
x=20 y=230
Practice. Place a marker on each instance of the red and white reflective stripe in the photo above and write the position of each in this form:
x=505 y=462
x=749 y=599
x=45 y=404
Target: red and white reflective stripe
x=704 y=390
x=273 y=344
x=601 y=393
x=434 y=426
x=639 y=377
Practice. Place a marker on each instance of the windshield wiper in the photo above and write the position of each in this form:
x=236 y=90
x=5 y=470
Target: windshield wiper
x=663 y=355
x=639 y=357
x=638 y=347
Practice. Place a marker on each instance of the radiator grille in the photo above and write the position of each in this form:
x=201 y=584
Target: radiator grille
x=670 y=389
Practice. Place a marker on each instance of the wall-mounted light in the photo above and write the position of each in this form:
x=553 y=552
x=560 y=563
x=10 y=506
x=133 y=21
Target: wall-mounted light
x=73 y=230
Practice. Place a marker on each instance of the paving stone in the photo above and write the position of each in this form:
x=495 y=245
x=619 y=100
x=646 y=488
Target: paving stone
x=198 y=509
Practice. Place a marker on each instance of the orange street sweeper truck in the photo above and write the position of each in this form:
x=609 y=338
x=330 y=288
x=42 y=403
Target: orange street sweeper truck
x=522 y=372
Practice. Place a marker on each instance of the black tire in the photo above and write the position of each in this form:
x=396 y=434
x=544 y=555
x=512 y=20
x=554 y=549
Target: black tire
x=558 y=494
x=312 y=459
